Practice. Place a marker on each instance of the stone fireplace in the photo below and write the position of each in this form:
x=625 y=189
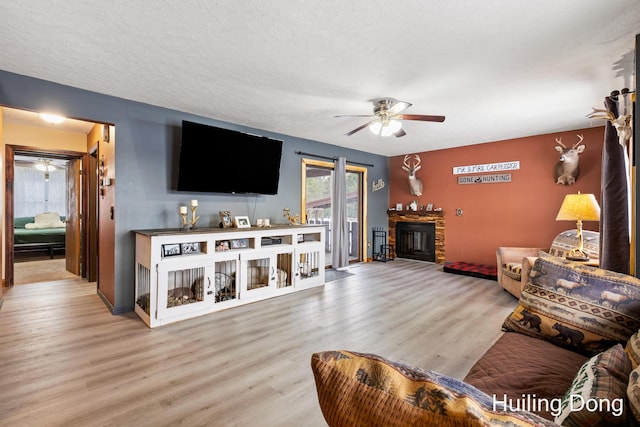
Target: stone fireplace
x=417 y=235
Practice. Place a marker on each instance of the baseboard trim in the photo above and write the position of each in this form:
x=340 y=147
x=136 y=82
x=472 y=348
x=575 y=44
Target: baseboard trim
x=105 y=300
x=122 y=310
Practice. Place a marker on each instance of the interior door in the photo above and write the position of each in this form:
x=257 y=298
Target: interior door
x=72 y=240
x=91 y=250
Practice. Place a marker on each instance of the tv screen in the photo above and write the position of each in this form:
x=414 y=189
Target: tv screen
x=217 y=160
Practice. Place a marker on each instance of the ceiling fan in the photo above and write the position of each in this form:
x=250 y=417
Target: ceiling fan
x=386 y=118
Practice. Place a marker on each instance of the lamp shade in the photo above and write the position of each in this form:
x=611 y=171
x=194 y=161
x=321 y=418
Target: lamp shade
x=385 y=128
x=579 y=207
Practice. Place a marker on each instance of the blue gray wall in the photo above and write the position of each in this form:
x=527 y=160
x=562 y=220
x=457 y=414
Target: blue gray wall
x=147 y=143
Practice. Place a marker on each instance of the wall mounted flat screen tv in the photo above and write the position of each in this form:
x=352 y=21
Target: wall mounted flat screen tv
x=216 y=160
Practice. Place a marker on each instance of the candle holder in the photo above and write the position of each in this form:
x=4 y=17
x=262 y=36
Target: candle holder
x=194 y=218
x=189 y=224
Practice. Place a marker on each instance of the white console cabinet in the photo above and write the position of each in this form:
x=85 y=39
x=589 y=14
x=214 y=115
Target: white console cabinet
x=184 y=274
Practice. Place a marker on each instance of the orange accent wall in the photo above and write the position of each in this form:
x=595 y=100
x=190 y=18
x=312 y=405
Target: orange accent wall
x=519 y=213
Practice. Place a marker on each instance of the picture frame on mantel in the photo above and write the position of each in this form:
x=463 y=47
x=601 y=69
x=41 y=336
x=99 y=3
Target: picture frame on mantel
x=242 y=222
x=398 y=206
x=225 y=219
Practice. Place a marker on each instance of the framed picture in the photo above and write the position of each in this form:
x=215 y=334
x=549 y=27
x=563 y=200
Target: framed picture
x=222 y=246
x=242 y=222
x=398 y=206
x=430 y=207
x=225 y=219
x=239 y=243
x=171 y=249
x=191 y=248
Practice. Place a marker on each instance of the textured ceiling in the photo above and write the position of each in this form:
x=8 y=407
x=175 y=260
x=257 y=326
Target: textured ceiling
x=497 y=69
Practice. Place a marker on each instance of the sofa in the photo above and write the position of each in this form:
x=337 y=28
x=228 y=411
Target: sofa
x=514 y=263
x=568 y=356
x=44 y=231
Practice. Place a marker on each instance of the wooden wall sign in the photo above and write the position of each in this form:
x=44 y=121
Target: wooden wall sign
x=487 y=167
x=378 y=185
x=484 y=179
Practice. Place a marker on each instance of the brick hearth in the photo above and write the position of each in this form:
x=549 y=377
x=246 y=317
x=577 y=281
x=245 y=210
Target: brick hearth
x=418 y=217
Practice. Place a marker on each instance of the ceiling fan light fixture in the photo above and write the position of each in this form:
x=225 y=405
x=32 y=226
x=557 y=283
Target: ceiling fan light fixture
x=387 y=119
x=375 y=128
x=44 y=166
x=386 y=129
x=52 y=118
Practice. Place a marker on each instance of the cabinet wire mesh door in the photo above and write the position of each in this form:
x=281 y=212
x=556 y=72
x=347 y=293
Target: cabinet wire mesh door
x=225 y=280
x=258 y=273
x=185 y=286
x=143 y=289
x=284 y=263
x=308 y=264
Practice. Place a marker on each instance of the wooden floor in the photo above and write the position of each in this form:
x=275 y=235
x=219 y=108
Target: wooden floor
x=66 y=361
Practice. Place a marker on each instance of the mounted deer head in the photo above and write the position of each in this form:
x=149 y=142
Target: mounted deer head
x=415 y=185
x=621 y=123
x=566 y=171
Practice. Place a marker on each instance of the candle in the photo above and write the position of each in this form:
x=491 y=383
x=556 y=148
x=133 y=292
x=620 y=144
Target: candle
x=194 y=203
x=183 y=209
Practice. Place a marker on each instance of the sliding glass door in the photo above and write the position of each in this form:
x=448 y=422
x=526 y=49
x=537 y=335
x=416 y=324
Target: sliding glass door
x=317 y=202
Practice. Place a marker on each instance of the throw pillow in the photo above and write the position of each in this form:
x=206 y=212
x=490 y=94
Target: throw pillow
x=46 y=220
x=47 y=217
x=633 y=393
x=598 y=393
x=583 y=308
x=356 y=389
x=44 y=224
x=633 y=350
x=513 y=270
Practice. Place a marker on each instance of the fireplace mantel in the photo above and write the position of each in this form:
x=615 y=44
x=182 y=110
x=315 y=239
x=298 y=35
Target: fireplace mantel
x=419 y=216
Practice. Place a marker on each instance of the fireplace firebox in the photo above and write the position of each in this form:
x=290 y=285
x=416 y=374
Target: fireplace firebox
x=416 y=240
x=435 y=218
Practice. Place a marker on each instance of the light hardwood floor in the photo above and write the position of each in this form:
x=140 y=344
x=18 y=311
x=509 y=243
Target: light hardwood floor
x=66 y=361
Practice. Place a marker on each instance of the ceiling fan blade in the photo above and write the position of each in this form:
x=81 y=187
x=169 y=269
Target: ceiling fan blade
x=359 y=128
x=400 y=133
x=397 y=107
x=354 y=115
x=421 y=117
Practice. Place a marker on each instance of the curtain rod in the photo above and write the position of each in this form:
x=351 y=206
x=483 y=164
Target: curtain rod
x=302 y=153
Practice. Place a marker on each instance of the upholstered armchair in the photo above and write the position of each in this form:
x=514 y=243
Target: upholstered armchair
x=514 y=263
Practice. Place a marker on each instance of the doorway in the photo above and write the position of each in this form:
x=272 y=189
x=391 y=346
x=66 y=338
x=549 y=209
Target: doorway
x=40 y=219
x=317 y=202
x=46 y=234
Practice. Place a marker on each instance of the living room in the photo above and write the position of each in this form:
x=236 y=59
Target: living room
x=143 y=146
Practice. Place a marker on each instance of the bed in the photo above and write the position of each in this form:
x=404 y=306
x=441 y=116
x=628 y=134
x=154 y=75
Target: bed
x=45 y=231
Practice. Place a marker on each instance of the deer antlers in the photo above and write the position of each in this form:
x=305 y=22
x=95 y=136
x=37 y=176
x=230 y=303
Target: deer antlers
x=416 y=166
x=622 y=124
x=559 y=141
x=599 y=113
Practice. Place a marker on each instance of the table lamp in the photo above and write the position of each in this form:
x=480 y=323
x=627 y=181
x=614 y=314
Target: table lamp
x=579 y=207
